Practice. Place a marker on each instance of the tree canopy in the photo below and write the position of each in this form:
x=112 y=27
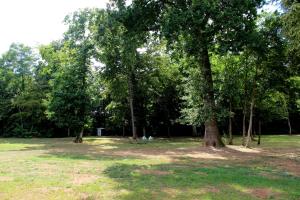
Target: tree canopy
x=159 y=68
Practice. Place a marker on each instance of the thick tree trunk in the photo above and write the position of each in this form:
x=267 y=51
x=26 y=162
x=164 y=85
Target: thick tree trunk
x=132 y=103
x=79 y=136
x=289 y=124
x=230 y=142
x=250 y=123
x=212 y=136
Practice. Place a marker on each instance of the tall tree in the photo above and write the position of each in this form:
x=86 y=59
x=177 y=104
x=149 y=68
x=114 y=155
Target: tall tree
x=206 y=26
x=21 y=105
x=121 y=35
x=68 y=102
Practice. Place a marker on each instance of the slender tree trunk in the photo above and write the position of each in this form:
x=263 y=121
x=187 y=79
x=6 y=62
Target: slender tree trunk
x=68 y=131
x=289 y=124
x=212 y=136
x=123 y=131
x=132 y=103
x=244 y=126
x=230 y=125
x=252 y=107
x=259 y=132
x=81 y=134
x=250 y=123
x=253 y=133
x=195 y=131
x=245 y=107
x=144 y=131
x=169 y=131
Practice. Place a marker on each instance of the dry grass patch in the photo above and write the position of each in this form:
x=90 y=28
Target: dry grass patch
x=6 y=178
x=80 y=179
x=263 y=193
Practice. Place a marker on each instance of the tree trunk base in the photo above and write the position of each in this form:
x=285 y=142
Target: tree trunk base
x=78 y=140
x=212 y=137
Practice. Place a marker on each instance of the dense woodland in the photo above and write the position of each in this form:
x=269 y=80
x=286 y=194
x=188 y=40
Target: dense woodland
x=160 y=68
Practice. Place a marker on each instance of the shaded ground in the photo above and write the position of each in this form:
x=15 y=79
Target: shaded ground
x=116 y=168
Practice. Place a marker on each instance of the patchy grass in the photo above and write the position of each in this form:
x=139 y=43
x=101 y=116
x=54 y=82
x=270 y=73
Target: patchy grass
x=116 y=168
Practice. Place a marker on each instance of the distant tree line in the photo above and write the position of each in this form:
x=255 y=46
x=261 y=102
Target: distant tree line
x=157 y=67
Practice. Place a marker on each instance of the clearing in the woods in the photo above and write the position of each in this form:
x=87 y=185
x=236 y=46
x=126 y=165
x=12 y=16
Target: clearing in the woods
x=115 y=168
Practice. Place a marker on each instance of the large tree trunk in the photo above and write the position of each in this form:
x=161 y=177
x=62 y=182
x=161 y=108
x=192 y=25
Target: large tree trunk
x=230 y=142
x=212 y=136
x=250 y=123
x=131 y=87
x=79 y=136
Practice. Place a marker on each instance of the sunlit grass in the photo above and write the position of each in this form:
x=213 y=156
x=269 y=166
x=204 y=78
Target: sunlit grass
x=117 y=168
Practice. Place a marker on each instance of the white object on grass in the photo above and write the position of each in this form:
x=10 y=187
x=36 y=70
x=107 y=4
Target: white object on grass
x=99 y=131
x=144 y=138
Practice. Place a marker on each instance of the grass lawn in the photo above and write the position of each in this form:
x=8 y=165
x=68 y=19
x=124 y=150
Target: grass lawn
x=115 y=168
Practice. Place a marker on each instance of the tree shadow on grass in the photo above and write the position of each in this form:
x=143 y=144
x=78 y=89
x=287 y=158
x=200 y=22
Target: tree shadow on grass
x=91 y=149
x=172 y=181
x=187 y=176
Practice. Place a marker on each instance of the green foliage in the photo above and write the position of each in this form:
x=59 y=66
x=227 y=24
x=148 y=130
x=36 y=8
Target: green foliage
x=193 y=111
x=155 y=63
x=21 y=106
x=291 y=28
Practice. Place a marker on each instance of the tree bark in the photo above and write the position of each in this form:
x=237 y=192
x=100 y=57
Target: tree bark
x=144 y=131
x=212 y=136
x=253 y=133
x=79 y=136
x=230 y=142
x=195 y=131
x=244 y=126
x=250 y=123
x=132 y=103
x=289 y=124
x=169 y=131
x=249 y=137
